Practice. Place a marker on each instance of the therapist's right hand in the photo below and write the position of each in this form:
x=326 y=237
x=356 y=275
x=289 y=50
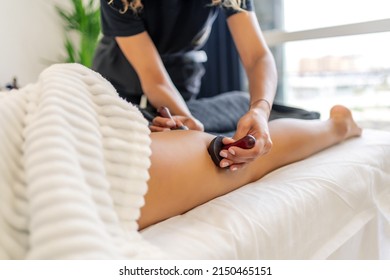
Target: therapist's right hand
x=163 y=124
x=190 y=122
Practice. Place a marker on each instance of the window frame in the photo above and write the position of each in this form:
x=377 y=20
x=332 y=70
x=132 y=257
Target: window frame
x=278 y=37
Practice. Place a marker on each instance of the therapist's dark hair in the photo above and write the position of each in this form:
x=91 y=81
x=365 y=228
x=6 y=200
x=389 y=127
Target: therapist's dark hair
x=136 y=5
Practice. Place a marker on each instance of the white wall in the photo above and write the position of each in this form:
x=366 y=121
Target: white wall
x=31 y=38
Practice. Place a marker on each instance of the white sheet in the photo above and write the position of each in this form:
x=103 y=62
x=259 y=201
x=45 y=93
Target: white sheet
x=307 y=210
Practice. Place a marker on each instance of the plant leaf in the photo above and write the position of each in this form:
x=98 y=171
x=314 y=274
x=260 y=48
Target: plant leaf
x=85 y=20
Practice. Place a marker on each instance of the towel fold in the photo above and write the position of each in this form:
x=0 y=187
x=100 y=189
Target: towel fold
x=73 y=169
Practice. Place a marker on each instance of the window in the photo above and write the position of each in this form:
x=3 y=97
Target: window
x=309 y=14
x=334 y=51
x=349 y=70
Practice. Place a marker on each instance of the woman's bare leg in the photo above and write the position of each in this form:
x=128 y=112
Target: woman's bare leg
x=183 y=176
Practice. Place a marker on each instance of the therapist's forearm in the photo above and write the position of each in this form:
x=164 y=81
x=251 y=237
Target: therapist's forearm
x=262 y=78
x=165 y=95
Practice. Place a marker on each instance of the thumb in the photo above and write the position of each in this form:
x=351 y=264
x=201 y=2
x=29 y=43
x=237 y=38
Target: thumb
x=240 y=132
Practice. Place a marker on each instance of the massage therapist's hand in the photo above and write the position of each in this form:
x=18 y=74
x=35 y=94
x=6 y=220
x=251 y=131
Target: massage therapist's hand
x=163 y=124
x=254 y=122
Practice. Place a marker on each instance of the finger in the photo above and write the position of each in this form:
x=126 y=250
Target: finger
x=235 y=159
x=238 y=136
x=235 y=153
x=164 y=122
x=243 y=129
x=180 y=125
x=178 y=120
x=224 y=163
x=235 y=167
x=227 y=140
x=238 y=155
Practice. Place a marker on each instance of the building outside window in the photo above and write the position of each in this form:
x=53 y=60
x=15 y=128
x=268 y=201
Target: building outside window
x=331 y=52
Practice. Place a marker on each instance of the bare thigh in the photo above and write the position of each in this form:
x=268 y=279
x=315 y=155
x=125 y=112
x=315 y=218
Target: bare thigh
x=183 y=176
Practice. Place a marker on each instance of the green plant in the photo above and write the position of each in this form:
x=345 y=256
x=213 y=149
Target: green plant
x=84 y=20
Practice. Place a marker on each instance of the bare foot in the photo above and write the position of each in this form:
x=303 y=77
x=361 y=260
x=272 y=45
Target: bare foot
x=344 y=123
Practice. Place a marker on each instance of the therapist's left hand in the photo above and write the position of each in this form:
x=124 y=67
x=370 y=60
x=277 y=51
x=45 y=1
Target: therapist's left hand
x=254 y=122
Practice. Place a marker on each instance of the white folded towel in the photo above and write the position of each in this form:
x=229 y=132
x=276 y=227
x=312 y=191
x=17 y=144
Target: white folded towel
x=73 y=169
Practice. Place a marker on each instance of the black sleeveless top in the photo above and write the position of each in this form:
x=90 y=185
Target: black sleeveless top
x=178 y=28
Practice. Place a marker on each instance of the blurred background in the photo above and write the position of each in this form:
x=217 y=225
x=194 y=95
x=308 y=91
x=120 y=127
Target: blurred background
x=333 y=51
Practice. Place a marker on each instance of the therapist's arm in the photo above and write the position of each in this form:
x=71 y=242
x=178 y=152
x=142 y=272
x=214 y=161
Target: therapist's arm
x=260 y=68
x=155 y=81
